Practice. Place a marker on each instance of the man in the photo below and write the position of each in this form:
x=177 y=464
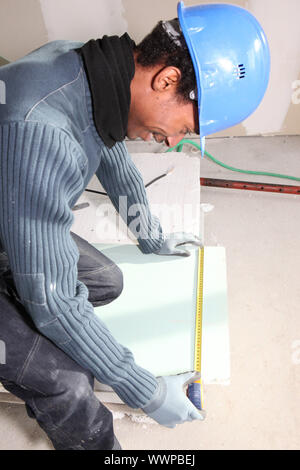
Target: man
x=64 y=120
x=69 y=108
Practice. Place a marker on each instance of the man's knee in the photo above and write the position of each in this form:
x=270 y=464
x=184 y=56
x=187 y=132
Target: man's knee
x=67 y=390
x=71 y=414
x=106 y=286
x=117 y=282
x=76 y=389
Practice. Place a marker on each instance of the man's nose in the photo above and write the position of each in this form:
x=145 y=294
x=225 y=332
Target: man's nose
x=172 y=141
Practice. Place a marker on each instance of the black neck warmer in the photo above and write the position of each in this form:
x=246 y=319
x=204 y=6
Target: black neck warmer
x=109 y=65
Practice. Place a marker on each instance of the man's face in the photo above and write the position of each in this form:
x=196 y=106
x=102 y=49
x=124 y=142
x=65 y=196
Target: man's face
x=156 y=111
x=166 y=121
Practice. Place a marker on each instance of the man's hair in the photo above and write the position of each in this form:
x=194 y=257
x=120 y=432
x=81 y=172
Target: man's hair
x=159 y=47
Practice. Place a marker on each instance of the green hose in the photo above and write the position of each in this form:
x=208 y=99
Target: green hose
x=179 y=146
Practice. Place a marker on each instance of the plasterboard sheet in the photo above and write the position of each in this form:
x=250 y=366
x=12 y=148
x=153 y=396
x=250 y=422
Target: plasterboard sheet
x=155 y=314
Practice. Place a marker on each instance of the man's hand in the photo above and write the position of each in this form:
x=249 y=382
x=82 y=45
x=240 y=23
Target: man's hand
x=170 y=405
x=173 y=240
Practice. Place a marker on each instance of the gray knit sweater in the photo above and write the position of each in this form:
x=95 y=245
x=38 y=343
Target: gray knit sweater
x=49 y=150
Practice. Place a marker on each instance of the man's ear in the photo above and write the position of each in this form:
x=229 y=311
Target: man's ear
x=166 y=79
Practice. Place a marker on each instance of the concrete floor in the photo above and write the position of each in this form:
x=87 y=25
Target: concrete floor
x=260 y=409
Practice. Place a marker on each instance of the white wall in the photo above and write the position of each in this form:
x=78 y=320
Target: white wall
x=26 y=24
x=83 y=20
x=280 y=20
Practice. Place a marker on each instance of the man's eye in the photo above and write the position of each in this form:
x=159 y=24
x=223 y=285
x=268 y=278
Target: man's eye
x=158 y=137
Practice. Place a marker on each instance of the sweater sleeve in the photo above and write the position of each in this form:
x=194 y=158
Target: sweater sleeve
x=41 y=175
x=125 y=187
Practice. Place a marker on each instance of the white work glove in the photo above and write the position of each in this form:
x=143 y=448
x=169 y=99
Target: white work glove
x=170 y=405
x=173 y=240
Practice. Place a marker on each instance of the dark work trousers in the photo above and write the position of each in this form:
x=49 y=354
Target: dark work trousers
x=57 y=391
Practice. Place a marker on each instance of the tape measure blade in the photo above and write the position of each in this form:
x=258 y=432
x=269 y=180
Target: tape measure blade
x=199 y=312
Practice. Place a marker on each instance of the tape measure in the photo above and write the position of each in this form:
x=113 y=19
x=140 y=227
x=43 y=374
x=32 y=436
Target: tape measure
x=195 y=392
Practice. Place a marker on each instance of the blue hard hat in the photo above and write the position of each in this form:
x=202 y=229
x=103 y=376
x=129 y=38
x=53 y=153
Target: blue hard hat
x=231 y=58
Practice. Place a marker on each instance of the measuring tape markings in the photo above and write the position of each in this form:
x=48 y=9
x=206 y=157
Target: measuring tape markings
x=195 y=392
